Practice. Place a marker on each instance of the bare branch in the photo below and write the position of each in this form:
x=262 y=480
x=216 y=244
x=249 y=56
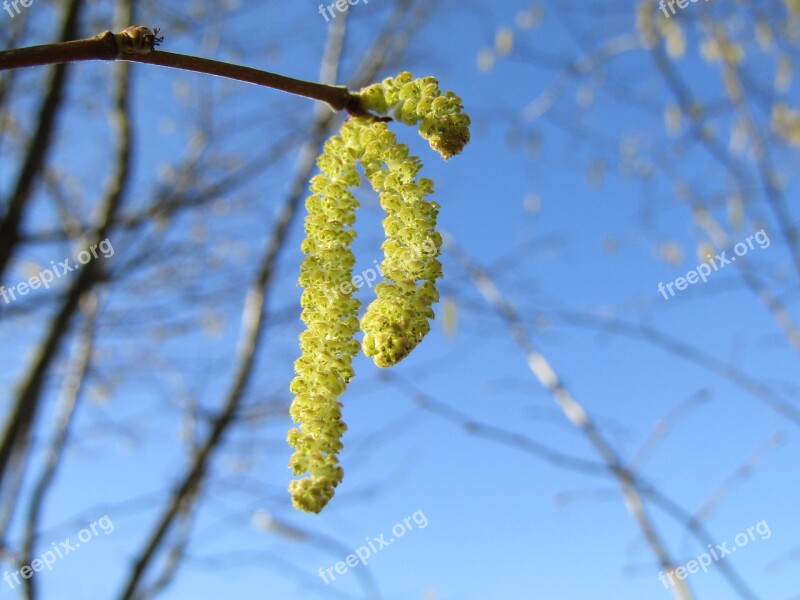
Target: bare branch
x=14 y=444
x=70 y=394
x=575 y=413
x=39 y=146
x=109 y=46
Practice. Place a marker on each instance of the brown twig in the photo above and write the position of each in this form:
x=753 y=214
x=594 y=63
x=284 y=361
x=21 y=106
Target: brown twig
x=338 y=97
x=137 y=44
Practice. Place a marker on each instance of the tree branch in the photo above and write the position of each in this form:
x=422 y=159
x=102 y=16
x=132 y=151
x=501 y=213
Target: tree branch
x=137 y=44
x=14 y=444
x=31 y=167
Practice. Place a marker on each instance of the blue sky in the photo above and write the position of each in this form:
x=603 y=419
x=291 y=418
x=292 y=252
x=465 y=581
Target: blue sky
x=573 y=255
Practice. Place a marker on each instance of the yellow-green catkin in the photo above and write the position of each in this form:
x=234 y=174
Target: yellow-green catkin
x=441 y=117
x=331 y=317
x=397 y=320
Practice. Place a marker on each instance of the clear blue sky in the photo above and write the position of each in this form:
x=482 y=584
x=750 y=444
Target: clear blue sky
x=496 y=524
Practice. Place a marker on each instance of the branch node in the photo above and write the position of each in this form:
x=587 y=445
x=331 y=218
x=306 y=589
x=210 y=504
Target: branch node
x=354 y=108
x=137 y=39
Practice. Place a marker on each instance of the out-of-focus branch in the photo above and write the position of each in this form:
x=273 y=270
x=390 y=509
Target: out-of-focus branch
x=761 y=150
x=174 y=555
x=701 y=134
x=663 y=426
x=14 y=444
x=12 y=35
x=744 y=470
x=500 y=435
x=39 y=145
x=578 y=67
x=772 y=301
x=761 y=391
x=70 y=394
x=578 y=416
x=287 y=530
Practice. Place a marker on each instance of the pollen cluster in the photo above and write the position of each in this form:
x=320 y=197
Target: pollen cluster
x=398 y=318
x=441 y=117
